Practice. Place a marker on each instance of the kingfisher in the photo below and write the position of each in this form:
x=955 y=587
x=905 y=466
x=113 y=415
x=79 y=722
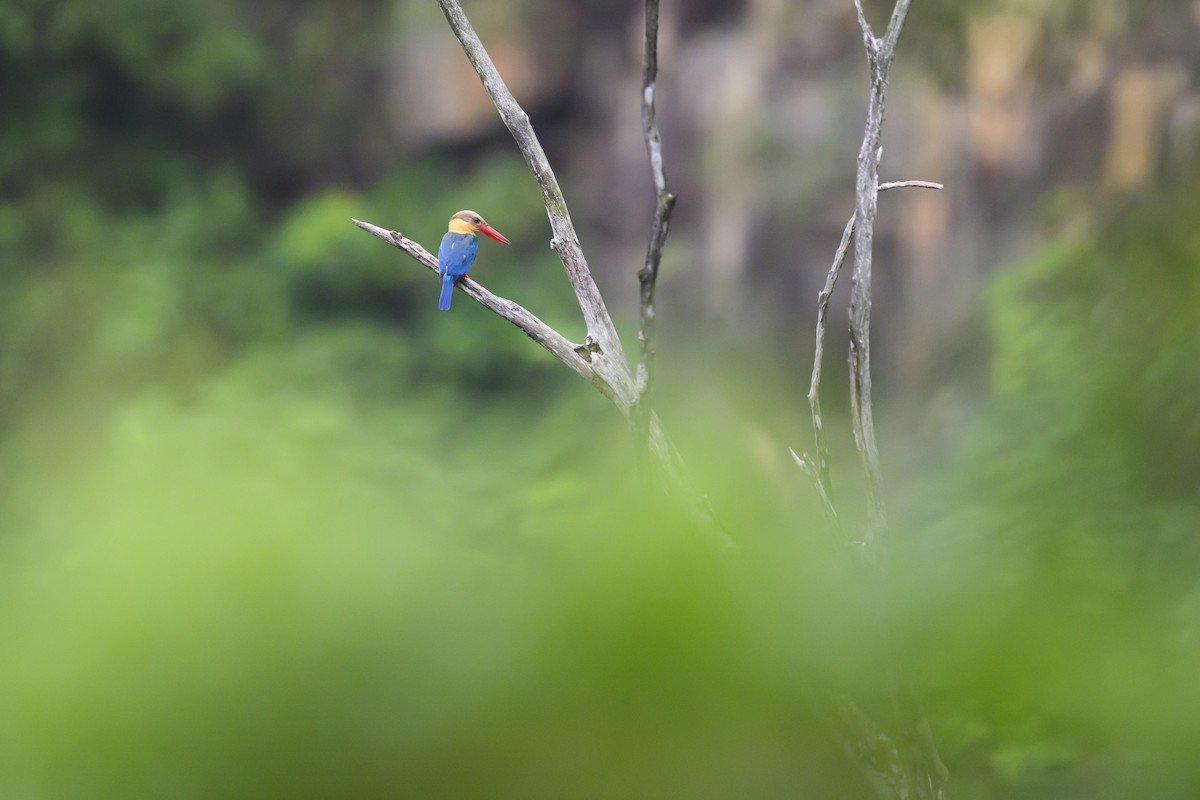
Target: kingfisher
x=457 y=252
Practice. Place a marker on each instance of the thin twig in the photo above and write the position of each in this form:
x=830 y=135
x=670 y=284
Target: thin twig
x=895 y=24
x=883 y=187
x=609 y=360
x=664 y=205
x=810 y=468
x=817 y=467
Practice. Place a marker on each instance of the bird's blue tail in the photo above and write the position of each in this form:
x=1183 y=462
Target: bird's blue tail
x=447 y=292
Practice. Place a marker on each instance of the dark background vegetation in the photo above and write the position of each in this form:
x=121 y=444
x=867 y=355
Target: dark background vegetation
x=271 y=526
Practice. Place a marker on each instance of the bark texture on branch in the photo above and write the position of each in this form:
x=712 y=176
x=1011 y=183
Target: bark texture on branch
x=665 y=203
x=895 y=745
x=609 y=359
x=817 y=467
x=600 y=358
x=581 y=359
x=880 y=52
x=898 y=747
x=576 y=356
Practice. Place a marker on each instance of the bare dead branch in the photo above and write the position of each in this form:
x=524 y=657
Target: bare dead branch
x=864 y=739
x=879 y=57
x=901 y=751
x=817 y=467
x=606 y=357
x=576 y=356
x=820 y=465
x=609 y=359
x=601 y=358
x=866 y=26
x=664 y=205
x=580 y=358
x=895 y=24
x=898 y=751
x=883 y=187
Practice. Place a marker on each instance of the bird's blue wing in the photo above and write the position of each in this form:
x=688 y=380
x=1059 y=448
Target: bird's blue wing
x=457 y=253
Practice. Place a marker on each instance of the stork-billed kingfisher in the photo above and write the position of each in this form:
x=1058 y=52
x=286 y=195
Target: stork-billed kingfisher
x=457 y=252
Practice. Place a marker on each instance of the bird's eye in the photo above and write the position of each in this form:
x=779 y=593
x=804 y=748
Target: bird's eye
x=478 y=220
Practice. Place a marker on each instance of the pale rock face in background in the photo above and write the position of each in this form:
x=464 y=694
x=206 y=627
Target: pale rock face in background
x=761 y=106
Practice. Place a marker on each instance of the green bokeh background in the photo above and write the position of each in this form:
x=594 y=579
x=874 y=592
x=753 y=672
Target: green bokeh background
x=271 y=526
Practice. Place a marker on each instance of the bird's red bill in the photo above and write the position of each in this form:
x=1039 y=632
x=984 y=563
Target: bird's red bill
x=493 y=233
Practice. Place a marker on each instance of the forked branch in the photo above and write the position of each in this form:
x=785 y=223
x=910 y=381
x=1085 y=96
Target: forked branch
x=817 y=467
x=580 y=358
x=576 y=356
x=600 y=358
x=609 y=360
x=898 y=749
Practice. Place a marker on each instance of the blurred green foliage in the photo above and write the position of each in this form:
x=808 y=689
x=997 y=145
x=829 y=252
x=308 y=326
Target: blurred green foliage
x=272 y=526
x=1093 y=429
x=1073 y=509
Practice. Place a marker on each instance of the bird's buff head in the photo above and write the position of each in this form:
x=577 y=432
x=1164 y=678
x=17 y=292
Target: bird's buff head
x=470 y=222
